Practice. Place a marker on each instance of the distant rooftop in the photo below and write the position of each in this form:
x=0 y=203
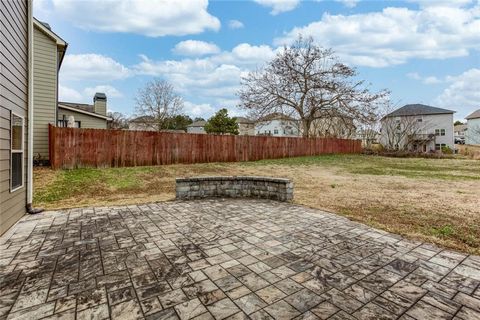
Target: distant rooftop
x=418 y=109
x=474 y=115
x=243 y=120
x=200 y=123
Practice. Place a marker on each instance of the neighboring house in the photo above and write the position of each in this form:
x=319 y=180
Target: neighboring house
x=418 y=128
x=459 y=130
x=473 y=132
x=15 y=111
x=197 y=127
x=142 y=123
x=84 y=115
x=246 y=127
x=368 y=137
x=333 y=126
x=459 y=133
x=278 y=125
x=48 y=52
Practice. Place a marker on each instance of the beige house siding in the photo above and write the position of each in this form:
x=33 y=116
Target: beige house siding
x=86 y=121
x=13 y=98
x=45 y=67
x=246 y=129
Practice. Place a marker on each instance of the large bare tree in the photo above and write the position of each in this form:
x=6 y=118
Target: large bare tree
x=118 y=121
x=307 y=82
x=157 y=103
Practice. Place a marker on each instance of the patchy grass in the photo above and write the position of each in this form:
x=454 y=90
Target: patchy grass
x=432 y=200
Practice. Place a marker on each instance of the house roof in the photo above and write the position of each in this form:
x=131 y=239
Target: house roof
x=418 y=109
x=142 y=119
x=86 y=109
x=275 y=116
x=474 y=115
x=243 y=120
x=200 y=123
x=460 y=127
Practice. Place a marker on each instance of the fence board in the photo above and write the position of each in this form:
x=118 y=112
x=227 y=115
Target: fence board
x=73 y=148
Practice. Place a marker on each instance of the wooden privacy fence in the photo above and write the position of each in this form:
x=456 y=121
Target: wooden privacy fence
x=72 y=148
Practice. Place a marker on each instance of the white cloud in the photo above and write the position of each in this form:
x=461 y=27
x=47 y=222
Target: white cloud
x=86 y=95
x=395 y=35
x=68 y=94
x=109 y=91
x=279 y=6
x=349 y=3
x=153 y=18
x=463 y=93
x=197 y=110
x=431 y=80
x=41 y=8
x=91 y=66
x=426 y=80
x=195 y=48
x=443 y=3
x=246 y=54
x=214 y=79
x=235 y=24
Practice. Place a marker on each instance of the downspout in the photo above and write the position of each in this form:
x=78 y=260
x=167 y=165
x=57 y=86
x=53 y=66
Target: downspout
x=29 y=207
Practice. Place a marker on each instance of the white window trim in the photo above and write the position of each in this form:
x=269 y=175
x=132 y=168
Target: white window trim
x=12 y=151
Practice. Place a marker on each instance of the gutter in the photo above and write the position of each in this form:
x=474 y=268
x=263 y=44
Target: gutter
x=29 y=206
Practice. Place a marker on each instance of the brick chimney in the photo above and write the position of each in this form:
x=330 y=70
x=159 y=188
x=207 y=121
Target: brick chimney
x=100 y=103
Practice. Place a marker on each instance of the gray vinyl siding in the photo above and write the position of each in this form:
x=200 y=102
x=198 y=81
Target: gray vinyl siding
x=44 y=91
x=86 y=121
x=13 y=98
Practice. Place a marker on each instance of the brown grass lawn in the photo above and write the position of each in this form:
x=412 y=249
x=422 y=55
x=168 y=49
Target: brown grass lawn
x=435 y=200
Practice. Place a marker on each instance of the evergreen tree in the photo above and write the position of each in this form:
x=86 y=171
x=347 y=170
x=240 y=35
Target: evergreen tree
x=221 y=123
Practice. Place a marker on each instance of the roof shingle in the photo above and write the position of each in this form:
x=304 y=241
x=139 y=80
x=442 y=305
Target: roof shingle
x=418 y=109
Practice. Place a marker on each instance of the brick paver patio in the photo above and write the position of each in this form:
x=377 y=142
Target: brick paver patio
x=218 y=259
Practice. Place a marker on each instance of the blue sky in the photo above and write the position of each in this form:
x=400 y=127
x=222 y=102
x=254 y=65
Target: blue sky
x=422 y=51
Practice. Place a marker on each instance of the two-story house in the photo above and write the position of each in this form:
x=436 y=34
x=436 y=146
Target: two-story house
x=418 y=128
x=277 y=125
x=246 y=127
x=48 y=53
x=473 y=132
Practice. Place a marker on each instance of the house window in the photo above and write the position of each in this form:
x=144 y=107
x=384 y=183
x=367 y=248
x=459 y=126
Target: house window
x=439 y=146
x=439 y=132
x=64 y=124
x=16 y=148
x=419 y=120
x=275 y=131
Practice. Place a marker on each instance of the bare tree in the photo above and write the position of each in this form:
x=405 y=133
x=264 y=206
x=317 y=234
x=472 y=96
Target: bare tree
x=119 y=121
x=156 y=103
x=335 y=126
x=307 y=82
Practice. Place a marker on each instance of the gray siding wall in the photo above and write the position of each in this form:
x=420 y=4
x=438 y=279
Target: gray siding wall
x=13 y=98
x=44 y=91
x=86 y=120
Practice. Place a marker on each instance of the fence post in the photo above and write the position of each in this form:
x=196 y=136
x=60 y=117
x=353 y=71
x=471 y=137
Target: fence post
x=51 y=145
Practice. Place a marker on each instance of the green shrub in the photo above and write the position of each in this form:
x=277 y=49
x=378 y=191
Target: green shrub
x=447 y=150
